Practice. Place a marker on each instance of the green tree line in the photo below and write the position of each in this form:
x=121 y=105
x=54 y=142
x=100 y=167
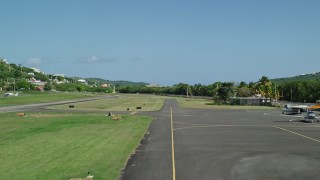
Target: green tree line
x=221 y=92
x=304 y=88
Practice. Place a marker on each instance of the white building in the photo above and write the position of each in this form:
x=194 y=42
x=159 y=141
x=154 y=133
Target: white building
x=82 y=81
x=4 y=61
x=37 y=82
x=58 y=75
x=36 y=70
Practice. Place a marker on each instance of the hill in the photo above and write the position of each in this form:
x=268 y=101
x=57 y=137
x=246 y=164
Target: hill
x=302 y=77
x=10 y=72
x=115 y=83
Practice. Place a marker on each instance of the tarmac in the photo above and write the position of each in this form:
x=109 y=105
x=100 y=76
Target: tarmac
x=225 y=144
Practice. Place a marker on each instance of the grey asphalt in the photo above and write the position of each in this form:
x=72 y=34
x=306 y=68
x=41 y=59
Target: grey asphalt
x=153 y=160
x=226 y=144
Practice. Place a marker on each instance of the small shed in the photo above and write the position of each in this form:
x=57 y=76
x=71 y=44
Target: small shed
x=254 y=101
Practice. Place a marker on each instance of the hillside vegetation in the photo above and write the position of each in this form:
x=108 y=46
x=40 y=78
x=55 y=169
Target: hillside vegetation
x=303 y=77
x=17 y=77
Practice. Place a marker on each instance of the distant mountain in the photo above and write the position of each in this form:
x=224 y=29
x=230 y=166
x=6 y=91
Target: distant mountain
x=115 y=83
x=302 y=77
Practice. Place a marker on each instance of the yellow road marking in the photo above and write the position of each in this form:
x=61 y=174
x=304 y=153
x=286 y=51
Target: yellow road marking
x=298 y=134
x=172 y=146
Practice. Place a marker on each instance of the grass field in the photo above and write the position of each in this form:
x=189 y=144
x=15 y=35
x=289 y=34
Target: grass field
x=207 y=104
x=64 y=146
x=151 y=103
x=42 y=97
x=131 y=101
x=124 y=101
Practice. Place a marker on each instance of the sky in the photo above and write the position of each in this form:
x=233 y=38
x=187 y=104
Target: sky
x=165 y=42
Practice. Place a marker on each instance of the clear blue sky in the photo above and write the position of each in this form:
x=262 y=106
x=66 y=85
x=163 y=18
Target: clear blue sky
x=164 y=41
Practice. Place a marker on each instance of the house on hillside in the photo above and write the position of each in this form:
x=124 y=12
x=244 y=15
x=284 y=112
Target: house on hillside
x=31 y=74
x=3 y=61
x=59 y=78
x=36 y=70
x=58 y=75
x=105 y=85
x=39 y=85
x=82 y=81
x=153 y=85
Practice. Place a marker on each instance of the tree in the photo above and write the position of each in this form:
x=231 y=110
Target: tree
x=243 y=92
x=2 y=83
x=47 y=86
x=23 y=84
x=264 y=87
x=242 y=84
x=80 y=88
x=60 y=78
x=225 y=91
x=40 y=76
x=17 y=74
x=197 y=90
x=180 y=89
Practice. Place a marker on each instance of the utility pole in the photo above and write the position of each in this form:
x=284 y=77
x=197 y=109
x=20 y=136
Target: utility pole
x=291 y=94
x=275 y=91
x=14 y=85
x=187 y=91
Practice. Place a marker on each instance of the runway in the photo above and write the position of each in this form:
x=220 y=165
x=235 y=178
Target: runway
x=225 y=144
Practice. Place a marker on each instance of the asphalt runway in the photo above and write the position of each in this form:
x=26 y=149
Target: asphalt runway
x=225 y=144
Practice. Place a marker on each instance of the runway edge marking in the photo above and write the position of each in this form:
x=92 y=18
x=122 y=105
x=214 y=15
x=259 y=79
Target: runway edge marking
x=297 y=134
x=172 y=146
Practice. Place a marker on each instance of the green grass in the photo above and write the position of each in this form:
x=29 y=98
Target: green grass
x=64 y=146
x=131 y=101
x=207 y=104
x=41 y=98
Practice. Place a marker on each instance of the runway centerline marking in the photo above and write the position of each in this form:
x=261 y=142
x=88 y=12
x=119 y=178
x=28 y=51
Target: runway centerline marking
x=172 y=148
x=297 y=134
